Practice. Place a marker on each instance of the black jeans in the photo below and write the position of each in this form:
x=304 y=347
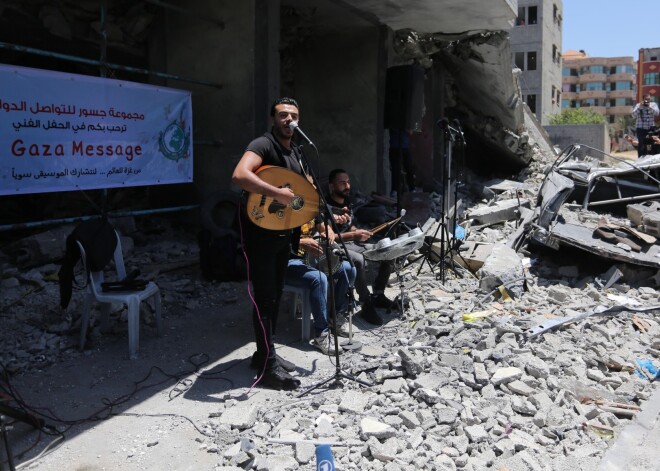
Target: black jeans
x=268 y=254
x=383 y=276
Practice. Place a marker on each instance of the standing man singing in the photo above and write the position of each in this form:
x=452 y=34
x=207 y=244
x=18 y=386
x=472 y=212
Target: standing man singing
x=268 y=250
x=644 y=114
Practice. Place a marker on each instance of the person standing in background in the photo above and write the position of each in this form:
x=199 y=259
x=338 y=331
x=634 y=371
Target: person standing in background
x=644 y=114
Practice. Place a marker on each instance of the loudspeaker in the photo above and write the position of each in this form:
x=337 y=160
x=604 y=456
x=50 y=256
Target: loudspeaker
x=404 y=97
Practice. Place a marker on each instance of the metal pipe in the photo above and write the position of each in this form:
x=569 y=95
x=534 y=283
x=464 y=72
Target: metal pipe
x=624 y=200
x=110 y=215
x=82 y=60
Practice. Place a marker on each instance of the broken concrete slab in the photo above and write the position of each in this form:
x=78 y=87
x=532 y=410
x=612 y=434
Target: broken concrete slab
x=498 y=212
x=502 y=267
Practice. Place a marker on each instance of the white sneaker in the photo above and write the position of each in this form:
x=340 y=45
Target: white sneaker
x=325 y=343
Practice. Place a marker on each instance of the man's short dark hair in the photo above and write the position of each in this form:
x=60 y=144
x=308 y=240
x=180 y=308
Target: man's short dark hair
x=334 y=173
x=283 y=101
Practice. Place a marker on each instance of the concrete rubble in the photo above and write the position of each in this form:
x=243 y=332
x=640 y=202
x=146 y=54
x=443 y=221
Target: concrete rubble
x=457 y=381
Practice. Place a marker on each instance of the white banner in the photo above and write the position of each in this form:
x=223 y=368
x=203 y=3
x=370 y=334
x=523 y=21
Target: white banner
x=62 y=132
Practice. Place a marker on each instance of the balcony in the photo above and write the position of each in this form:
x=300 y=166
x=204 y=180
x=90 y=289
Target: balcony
x=586 y=78
x=592 y=94
x=570 y=79
x=622 y=78
x=621 y=94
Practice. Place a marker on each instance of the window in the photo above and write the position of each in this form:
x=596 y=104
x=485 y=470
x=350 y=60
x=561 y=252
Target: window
x=554 y=52
x=622 y=69
x=556 y=16
x=611 y=118
x=531 y=102
x=595 y=86
x=519 y=60
x=621 y=102
x=651 y=78
x=531 y=15
x=592 y=69
x=623 y=85
x=520 y=21
x=568 y=71
x=531 y=60
x=568 y=104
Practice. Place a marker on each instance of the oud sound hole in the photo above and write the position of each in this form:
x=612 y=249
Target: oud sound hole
x=297 y=203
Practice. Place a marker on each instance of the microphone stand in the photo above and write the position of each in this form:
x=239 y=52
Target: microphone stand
x=449 y=139
x=329 y=222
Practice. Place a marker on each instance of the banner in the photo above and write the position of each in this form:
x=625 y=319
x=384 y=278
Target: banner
x=63 y=132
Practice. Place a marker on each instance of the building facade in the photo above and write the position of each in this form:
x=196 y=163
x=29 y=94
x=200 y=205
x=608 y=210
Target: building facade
x=536 y=46
x=648 y=74
x=605 y=85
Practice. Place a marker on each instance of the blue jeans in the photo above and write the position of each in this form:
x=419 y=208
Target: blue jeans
x=344 y=279
x=303 y=276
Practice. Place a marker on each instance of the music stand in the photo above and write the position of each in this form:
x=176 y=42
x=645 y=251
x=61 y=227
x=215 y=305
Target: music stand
x=329 y=221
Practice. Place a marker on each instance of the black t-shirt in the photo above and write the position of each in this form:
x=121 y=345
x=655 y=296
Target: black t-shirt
x=272 y=153
x=347 y=203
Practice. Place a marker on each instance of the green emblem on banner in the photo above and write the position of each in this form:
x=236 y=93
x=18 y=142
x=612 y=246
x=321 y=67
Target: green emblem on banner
x=174 y=143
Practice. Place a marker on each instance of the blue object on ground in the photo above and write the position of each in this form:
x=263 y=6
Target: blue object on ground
x=324 y=459
x=648 y=366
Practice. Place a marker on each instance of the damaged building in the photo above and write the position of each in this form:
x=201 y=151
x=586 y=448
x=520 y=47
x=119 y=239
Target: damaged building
x=235 y=59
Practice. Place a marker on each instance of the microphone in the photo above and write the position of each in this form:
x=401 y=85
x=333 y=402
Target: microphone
x=458 y=127
x=403 y=212
x=443 y=123
x=293 y=125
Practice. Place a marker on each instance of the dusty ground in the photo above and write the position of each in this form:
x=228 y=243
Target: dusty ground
x=109 y=412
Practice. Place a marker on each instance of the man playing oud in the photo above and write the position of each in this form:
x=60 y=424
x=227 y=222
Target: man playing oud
x=268 y=250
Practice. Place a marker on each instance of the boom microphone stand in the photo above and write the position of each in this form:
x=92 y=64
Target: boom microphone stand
x=329 y=222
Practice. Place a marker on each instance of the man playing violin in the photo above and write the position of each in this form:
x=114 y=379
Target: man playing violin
x=339 y=185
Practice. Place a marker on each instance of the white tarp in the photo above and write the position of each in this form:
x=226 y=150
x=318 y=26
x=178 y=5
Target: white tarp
x=62 y=132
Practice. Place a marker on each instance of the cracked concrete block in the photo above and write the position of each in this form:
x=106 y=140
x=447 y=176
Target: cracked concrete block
x=506 y=375
x=353 y=402
x=305 y=452
x=501 y=211
x=409 y=419
x=370 y=427
x=503 y=267
x=521 y=388
x=476 y=433
x=240 y=416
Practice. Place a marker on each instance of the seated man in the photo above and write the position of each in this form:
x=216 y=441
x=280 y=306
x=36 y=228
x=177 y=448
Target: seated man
x=339 y=197
x=300 y=274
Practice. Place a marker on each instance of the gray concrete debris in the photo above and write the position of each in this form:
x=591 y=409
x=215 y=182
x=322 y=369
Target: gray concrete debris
x=502 y=267
x=447 y=394
x=500 y=211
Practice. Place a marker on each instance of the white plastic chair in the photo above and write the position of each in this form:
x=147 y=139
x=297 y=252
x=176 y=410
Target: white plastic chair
x=131 y=299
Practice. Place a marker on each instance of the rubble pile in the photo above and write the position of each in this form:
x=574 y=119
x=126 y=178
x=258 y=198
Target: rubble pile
x=524 y=362
x=469 y=378
x=452 y=390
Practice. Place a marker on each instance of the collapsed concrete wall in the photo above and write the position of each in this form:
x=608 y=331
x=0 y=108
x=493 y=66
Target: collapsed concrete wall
x=593 y=135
